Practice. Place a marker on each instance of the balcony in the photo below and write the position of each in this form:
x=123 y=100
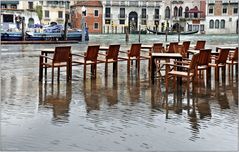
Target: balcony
x=144 y=17
x=122 y=16
x=108 y=16
x=156 y=17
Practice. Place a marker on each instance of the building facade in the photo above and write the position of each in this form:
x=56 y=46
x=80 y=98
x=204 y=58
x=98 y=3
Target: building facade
x=222 y=16
x=92 y=15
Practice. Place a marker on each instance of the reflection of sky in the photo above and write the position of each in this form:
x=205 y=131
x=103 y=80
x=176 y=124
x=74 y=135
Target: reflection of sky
x=127 y=124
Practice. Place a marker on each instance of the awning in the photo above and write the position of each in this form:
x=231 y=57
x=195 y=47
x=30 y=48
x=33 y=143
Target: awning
x=194 y=10
x=9 y=2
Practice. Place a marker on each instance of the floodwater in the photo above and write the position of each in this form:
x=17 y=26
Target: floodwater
x=114 y=113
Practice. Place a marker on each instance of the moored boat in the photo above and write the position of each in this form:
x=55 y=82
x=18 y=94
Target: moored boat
x=172 y=32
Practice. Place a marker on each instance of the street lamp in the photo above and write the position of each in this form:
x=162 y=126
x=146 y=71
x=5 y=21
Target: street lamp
x=83 y=10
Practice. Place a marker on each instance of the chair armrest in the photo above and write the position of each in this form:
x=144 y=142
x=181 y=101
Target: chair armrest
x=80 y=55
x=182 y=62
x=176 y=65
x=47 y=57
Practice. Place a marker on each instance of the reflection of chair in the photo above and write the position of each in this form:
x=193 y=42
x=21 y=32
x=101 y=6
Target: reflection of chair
x=232 y=60
x=61 y=58
x=111 y=56
x=200 y=45
x=89 y=58
x=134 y=54
x=219 y=62
x=183 y=71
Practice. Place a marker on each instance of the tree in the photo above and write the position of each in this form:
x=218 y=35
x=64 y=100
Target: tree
x=39 y=12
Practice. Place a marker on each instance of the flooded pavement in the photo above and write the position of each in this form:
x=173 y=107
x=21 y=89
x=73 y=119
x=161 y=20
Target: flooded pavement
x=114 y=113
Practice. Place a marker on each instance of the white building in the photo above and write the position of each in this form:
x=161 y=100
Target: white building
x=222 y=17
x=135 y=15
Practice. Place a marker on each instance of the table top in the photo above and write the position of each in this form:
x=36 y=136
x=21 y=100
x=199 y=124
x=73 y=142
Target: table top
x=104 y=48
x=168 y=55
x=146 y=46
x=226 y=47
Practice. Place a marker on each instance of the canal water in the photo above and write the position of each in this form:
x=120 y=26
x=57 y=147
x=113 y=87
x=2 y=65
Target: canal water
x=114 y=113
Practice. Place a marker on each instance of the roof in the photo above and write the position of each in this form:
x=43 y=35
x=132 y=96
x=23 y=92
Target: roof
x=89 y=4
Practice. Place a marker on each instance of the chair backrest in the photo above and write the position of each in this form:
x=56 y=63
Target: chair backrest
x=204 y=57
x=235 y=55
x=173 y=47
x=158 y=48
x=92 y=52
x=113 y=51
x=62 y=54
x=194 y=62
x=186 y=45
x=200 y=45
x=222 y=57
x=135 y=50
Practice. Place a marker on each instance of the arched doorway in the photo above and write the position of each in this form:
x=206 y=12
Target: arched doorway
x=133 y=21
x=30 y=22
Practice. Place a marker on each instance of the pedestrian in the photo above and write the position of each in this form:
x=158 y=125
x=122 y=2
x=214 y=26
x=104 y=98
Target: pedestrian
x=18 y=21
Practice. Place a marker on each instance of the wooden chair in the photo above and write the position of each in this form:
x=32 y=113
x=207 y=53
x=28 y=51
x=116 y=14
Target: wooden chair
x=172 y=47
x=188 y=72
x=219 y=62
x=111 y=56
x=200 y=45
x=158 y=48
x=90 y=57
x=232 y=60
x=61 y=58
x=183 y=49
x=134 y=54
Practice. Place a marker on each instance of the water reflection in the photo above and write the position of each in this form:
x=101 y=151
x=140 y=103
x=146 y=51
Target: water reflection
x=57 y=98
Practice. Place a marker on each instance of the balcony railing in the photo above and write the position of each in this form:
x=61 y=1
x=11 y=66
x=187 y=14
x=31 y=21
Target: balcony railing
x=157 y=17
x=108 y=15
x=122 y=16
x=144 y=16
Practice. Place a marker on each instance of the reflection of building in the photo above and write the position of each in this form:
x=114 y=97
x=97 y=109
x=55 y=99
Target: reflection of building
x=93 y=15
x=222 y=16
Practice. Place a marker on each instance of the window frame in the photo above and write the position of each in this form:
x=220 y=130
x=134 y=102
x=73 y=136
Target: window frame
x=223 y=22
x=217 y=24
x=96 y=23
x=211 y=24
x=96 y=10
x=47 y=12
x=60 y=14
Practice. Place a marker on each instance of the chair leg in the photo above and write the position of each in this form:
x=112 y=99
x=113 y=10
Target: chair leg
x=115 y=68
x=106 y=68
x=216 y=73
x=138 y=63
x=95 y=70
x=128 y=65
x=58 y=74
x=84 y=71
x=52 y=75
x=40 y=69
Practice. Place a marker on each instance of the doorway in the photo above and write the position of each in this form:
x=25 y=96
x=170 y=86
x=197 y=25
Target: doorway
x=133 y=22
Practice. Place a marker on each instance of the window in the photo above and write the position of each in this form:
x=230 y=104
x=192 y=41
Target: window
x=144 y=13
x=13 y=6
x=186 y=12
x=107 y=21
x=180 y=11
x=224 y=10
x=107 y=12
x=143 y=22
x=156 y=13
x=235 y=10
x=217 y=24
x=60 y=14
x=167 y=12
x=210 y=11
x=3 y=6
x=122 y=12
x=122 y=22
x=211 y=24
x=96 y=12
x=96 y=26
x=175 y=13
x=195 y=27
x=189 y=27
x=222 y=24
x=47 y=14
x=30 y=5
x=201 y=27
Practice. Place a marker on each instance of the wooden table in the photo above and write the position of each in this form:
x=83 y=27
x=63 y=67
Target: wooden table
x=104 y=48
x=231 y=48
x=176 y=56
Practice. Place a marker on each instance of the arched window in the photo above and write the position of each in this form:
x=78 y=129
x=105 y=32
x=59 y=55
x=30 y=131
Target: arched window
x=217 y=24
x=186 y=12
x=222 y=24
x=180 y=11
x=195 y=15
x=175 y=11
x=211 y=24
x=167 y=12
